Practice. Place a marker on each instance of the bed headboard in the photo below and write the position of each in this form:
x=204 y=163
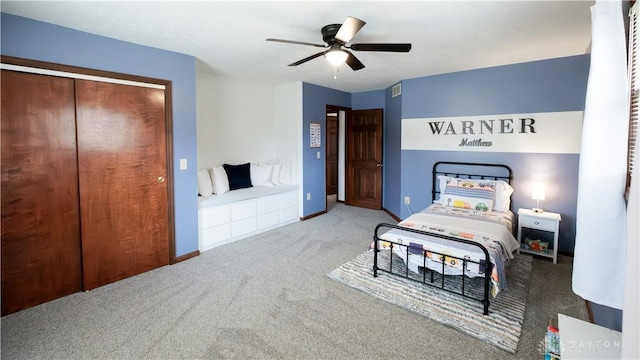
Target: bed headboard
x=466 y=170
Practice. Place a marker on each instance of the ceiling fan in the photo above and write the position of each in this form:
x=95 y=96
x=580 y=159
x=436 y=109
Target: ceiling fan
x=337 y=36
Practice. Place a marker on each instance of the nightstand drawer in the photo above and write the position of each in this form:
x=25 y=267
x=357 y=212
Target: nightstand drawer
x=541 y=224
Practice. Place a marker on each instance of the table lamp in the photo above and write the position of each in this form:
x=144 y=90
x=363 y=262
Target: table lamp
x=538 y=194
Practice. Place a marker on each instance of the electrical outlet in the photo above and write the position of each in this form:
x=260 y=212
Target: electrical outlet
x=407 y=200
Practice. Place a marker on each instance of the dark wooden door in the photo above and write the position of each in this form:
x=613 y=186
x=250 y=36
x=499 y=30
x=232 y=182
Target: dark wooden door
x=41 y=256
x=332 y=154
x=122 y=161
x=364 y=158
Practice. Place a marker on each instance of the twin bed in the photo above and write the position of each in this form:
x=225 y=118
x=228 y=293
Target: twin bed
x=466 y=233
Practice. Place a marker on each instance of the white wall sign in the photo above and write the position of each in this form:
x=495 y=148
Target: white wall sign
x=314 y=135
x=551 y=132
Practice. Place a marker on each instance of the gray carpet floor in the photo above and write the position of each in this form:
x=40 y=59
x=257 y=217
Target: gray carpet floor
x=268 y=296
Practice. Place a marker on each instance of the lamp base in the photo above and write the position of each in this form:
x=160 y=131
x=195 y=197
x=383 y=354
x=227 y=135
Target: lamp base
x=537 y=210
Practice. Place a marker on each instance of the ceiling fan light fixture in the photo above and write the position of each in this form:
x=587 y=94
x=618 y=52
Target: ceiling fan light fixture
x=336 y=57
x=336 y=37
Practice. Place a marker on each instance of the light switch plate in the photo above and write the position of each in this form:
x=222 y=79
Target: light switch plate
x=183 y=164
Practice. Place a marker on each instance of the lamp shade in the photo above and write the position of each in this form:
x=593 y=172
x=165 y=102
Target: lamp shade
x=538 y=192
x=336 y=57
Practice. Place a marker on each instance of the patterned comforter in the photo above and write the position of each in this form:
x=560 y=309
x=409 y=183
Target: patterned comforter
x=491 y=229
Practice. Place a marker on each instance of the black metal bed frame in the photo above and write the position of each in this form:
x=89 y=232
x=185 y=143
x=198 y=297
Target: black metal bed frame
x=487 y=174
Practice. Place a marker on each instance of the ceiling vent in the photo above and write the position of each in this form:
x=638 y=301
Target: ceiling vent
x=396 y=90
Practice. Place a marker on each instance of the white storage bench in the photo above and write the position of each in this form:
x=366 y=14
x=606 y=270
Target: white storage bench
x=244 y=212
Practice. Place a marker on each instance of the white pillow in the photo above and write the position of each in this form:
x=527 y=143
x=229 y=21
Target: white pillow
x=219 y=180
x=205 y=187
x=260 y=175
x=285 y=173
x=502 y=201
x=275 y=174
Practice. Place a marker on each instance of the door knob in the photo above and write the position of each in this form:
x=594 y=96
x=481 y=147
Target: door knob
x=160 y=179
x=378 y=165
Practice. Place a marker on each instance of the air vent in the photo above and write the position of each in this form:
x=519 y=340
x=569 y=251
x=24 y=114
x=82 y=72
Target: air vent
x=396 y=90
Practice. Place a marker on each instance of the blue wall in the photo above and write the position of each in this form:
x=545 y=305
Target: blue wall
x=30 y=39
x=542 y=86
x=368 y=100
x=315 y=100
x=314 y=108
x=392 y=200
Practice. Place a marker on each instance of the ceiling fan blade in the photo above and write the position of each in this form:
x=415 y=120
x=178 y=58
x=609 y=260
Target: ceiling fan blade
x=295 y=42
x=381 y=47
x=353 y=62
x=349 y=28
x=307 y=59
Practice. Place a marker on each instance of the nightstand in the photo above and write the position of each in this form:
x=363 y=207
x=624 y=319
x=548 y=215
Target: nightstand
x=536 y=229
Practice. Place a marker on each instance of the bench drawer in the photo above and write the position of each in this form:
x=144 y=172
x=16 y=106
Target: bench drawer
x=243 y=227
x=268 y=220
x=288 y=214
x=215 y=216
x=289 y=199
x=243 y=210
x=215 y=234
x=267 y=205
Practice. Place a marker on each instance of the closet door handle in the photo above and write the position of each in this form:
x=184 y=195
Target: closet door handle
x=160 y=179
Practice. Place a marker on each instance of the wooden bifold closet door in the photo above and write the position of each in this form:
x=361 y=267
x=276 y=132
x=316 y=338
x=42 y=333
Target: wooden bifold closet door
x=84 y=185
x=123 y=192
x=40 y=206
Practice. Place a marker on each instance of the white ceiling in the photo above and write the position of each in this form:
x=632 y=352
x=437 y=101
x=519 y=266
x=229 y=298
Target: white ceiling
x=228 y=37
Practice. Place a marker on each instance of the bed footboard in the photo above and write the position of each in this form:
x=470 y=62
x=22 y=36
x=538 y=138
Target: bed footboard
x=427 y=276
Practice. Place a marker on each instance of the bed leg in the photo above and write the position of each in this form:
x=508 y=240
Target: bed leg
x=375 y=256
x=487 y=281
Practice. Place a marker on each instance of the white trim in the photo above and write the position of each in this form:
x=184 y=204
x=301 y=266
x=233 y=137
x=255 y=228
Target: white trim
x=32 y=70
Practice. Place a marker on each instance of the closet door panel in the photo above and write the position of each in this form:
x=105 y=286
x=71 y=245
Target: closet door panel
x=122 y=163
x=41 y=256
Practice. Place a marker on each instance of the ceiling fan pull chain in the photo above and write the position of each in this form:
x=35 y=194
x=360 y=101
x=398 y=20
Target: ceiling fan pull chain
x=335 y=75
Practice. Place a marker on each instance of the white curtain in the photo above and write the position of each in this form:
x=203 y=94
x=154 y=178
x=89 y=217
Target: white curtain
x=599 y=254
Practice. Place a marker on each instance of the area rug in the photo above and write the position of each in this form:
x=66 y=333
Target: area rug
x=501 y=328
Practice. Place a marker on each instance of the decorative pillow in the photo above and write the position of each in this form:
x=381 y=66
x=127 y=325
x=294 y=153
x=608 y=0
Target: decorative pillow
x=219 y=180
x=275 y=174
x=239 y=175
x=285 y=173
x=502 y=191
x=205 y=188
x=469 y=194
x=261 y=175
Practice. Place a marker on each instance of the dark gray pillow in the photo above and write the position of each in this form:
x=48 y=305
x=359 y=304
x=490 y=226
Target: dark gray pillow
x=239 y=176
